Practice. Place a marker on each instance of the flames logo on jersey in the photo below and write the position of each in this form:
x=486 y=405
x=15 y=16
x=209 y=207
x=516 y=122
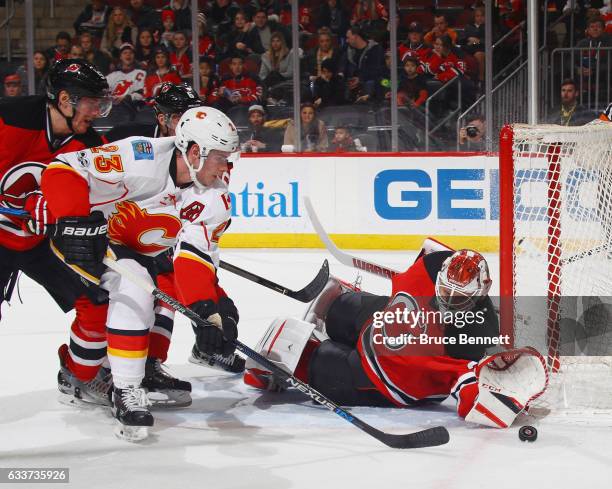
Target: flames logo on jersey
x=140 y=231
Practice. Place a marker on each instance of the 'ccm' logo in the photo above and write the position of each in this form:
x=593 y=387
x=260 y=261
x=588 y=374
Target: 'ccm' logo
x=72 y=231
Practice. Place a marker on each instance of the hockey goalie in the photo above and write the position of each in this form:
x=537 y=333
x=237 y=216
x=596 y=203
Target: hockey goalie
x=426 y=342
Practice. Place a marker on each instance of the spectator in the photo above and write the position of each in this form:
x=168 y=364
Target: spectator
x=412 y=91
x=305 y=20
x=343 y=141
x=314 y=132
x=570 y=113
x=182 y=14
x=206 y=44
x=364 y=65
x=472 y=136
x=220 y=14
x=270 y=7
x=145 y=49
x=63 y=41
x=168 y=28
x=92 y=19
x=328 y=88
x=324 y=50
x=333 y=16
x=209 y=82
x=276 y=65
x=236 y=42
x=237 y=88
x=444 y=64
x=473 y=40
x=12 y=85
x=180 y=57
x=41 y=66
x=261 y=32
x=143 y=16
x=119 y=31
x=127 y=83
x=440 y=29
x=76 y=52
x=260 y=138
x=368 y=10
x=93 y=55
x=163 y=72
x=596 y=37
x=414 y=46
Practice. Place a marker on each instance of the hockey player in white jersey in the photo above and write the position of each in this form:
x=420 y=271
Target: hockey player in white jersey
x=150 y=194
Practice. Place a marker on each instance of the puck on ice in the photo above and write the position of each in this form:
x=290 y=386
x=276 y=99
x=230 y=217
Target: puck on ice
x=528 y=433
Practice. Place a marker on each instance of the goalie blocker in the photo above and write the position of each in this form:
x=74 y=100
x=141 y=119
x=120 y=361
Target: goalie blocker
x=334 y=350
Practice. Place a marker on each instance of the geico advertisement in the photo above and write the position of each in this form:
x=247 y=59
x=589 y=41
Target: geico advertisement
x=367 y=195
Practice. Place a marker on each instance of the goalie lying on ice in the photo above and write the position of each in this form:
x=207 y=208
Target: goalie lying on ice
x=425 y=343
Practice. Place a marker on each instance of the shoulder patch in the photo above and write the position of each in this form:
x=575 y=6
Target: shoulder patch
x=143 y=150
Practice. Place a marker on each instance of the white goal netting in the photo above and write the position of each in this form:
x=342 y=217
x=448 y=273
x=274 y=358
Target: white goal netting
x=556 y=227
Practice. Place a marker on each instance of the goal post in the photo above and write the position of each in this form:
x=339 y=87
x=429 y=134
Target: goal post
x=555 y=194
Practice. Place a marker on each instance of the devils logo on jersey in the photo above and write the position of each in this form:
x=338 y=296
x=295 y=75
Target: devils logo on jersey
x=18 y=182
x=140 y=231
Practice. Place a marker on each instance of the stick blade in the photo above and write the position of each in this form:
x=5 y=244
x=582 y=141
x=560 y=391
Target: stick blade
x=431 y=437
x=314 y=288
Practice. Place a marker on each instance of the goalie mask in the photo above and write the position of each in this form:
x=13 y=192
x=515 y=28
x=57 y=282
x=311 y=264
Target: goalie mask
x=210 y=129
x=463 y=281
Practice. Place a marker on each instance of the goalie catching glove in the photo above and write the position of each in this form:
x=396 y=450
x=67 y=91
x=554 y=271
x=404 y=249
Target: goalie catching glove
x=220 y=336
x=81 y=242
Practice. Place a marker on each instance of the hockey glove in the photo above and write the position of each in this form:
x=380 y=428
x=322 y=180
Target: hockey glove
x=220 y=336
x=42 y=220
x=82 y=241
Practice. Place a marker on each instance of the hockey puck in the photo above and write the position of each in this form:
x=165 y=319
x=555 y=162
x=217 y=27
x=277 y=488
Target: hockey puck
x=528 y=433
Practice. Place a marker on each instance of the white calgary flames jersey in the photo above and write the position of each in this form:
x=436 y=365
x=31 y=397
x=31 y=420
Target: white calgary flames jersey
x=130 y=182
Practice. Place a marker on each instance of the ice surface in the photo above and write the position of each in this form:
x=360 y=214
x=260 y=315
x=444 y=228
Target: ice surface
x=236 y=437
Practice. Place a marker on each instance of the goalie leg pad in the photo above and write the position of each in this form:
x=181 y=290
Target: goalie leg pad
x=283 y=343
x=507 y=383
x=317 y=311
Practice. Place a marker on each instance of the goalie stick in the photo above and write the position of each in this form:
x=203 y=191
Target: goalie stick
x=426 y=438
x=306 y=294
x=341 y=256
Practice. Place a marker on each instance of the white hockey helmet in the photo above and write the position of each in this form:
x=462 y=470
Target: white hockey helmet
x=210 y=129
x=462 y=281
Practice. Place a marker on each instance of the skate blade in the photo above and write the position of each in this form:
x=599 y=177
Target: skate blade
x=213 y=364
x=168 y=399
x=132 y=434
x=68 y=399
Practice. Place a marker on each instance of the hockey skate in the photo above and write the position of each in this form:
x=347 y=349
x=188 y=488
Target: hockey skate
x=164 y=390
x=231 y=363
x=130 y=408
x=79 y=393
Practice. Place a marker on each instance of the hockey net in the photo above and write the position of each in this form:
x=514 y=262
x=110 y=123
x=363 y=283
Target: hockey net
x=556 y=255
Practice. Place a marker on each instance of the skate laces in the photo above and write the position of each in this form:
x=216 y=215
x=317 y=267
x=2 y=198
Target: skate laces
x=229 y=360
x=135 y=398
x=99 y=385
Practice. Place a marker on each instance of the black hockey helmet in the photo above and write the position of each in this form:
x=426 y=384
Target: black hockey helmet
x=78 y=77
x=175 y=99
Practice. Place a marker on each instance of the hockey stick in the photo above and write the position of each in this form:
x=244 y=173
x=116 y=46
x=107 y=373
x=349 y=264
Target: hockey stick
x=421 y=439
x=306 y=294
x=341 y=256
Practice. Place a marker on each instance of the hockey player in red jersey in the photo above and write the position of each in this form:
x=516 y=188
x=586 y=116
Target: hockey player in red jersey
x=33 y=131
x=142 y=185
x=367 y=355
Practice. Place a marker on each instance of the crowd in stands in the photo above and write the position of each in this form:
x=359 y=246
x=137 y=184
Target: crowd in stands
x=246 y=62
